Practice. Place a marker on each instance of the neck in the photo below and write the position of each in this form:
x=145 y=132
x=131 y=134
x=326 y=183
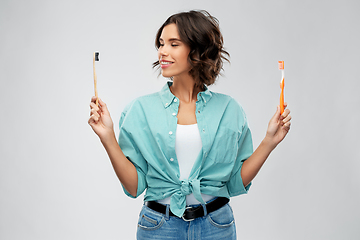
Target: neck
x=185 y=89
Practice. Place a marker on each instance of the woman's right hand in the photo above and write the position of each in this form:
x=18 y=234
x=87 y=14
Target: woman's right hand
x=100 y=120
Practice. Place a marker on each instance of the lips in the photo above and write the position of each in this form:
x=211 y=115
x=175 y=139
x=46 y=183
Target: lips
x=165 y=63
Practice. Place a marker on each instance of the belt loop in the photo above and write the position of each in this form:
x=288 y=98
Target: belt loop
x=205 y=210
x=167 y=211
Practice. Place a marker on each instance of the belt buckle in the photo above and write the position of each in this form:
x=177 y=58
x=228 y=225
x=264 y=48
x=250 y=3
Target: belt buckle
x=183 y=216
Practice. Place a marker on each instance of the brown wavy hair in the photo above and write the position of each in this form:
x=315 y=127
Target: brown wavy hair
x=200 y=31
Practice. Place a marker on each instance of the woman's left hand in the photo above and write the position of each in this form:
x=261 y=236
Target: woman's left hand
x=278 y=127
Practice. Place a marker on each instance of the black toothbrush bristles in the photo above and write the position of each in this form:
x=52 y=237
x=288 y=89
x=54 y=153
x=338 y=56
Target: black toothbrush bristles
x=96 y=56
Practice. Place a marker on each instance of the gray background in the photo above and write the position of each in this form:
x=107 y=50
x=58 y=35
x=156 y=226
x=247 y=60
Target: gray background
x=56 y=181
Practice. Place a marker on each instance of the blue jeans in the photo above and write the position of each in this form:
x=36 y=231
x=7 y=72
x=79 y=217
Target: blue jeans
x=219 y=224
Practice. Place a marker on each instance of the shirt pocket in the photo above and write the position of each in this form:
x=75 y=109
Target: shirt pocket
x=225 y=146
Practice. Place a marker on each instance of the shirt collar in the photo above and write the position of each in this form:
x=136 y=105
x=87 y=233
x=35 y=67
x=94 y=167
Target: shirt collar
x=205 y=95
x=167 y=97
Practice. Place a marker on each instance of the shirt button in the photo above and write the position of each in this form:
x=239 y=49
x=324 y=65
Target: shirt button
x=175 y=100
x=171 y=159
x=205 y=101
x=199 y=111
x=203 y=130
x=174 y=114
x=166 y=104
x=170 y=133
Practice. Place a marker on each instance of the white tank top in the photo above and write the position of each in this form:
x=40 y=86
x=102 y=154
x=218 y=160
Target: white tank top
x=187 y=147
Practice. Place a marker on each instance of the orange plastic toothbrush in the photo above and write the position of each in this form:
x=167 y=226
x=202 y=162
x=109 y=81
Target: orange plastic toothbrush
x=282 y=84
x=96 y=58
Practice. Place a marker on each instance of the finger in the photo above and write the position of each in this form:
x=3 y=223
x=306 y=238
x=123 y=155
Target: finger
x=285 y=113
x=92 y=120
x=287 y=119
x=104 y=108
x=93 y=105
x=93 y=99
x=276 y=115
x=94 y=108
x=93 y=112
x=287 y=126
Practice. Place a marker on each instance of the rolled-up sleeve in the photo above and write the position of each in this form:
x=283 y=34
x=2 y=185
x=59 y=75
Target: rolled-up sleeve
x=132 y=152
x=245 y=149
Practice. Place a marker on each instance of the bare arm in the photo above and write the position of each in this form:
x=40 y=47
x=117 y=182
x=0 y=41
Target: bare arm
x=278 y=128
x=101 y=123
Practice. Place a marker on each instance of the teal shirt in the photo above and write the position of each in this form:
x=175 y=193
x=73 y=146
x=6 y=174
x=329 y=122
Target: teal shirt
x=147 y=138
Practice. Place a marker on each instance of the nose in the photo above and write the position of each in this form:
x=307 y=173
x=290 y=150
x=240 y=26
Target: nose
x=162 y=51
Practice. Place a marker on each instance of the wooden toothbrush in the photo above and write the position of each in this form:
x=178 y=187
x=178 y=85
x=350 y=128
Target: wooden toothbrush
x=96 y=58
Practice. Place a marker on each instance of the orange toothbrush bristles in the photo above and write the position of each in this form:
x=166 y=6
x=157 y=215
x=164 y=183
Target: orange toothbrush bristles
x=282 y=85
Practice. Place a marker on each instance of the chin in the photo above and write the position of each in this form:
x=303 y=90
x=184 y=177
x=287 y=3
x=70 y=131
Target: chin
x=166 y=75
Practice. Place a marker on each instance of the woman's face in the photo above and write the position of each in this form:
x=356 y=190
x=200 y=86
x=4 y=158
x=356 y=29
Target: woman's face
x=173 y=53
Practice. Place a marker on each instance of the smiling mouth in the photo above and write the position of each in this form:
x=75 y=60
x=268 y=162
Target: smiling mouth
x=165 y=63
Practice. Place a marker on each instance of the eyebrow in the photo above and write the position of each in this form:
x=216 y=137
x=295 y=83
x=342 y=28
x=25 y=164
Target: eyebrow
x=171 y=39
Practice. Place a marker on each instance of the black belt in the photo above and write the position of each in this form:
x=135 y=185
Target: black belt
x=190 y=212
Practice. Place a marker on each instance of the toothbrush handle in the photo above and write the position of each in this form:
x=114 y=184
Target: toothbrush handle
x=282 y=96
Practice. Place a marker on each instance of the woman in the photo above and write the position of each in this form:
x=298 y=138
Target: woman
x=190 y=148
